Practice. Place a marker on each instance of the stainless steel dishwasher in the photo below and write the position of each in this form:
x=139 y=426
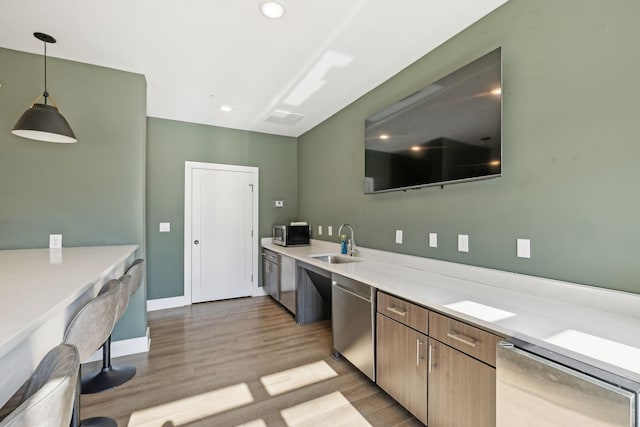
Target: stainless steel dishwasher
x=352 y=321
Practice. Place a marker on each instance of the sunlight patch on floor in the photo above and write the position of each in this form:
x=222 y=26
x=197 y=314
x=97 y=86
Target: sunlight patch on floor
x=193 y=408
x=330 y=410
x=255 y=423
x=294 y=378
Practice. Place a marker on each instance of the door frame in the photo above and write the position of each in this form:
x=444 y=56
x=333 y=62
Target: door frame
x=189 y=167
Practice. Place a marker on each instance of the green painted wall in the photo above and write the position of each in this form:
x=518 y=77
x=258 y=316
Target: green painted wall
x=92 y=191
x=171 y=143
x=570 y=143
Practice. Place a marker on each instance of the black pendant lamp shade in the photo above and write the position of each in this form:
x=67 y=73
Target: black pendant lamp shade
x=44 y=122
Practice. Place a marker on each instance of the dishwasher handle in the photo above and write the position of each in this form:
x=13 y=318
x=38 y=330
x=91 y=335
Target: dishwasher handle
x=342 y=288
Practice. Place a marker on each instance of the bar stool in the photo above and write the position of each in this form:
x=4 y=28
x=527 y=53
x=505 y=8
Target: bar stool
x=112 y=376
x=47 y=398
x=87 y=331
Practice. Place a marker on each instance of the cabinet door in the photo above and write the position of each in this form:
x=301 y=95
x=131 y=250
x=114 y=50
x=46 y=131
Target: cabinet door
x=402 y=365
x=462 y=390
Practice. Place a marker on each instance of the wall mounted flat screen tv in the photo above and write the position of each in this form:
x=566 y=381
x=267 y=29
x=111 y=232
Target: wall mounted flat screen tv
x=449 y=131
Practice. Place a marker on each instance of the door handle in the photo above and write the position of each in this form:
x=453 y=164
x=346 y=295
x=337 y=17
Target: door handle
x=430 y=357
x=196 y=242
x=418 y=358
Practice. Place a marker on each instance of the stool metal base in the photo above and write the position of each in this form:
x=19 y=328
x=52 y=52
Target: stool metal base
x=98 y=422
x=107 y=378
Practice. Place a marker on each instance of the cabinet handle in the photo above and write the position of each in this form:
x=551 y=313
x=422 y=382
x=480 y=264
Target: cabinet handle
x=397 y=311
x=430 y=357
x=418 y=342
x=462 y=338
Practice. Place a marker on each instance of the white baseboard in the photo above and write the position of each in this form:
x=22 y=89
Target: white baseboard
x=125 y=347
x=259 y=292
x=164 y=303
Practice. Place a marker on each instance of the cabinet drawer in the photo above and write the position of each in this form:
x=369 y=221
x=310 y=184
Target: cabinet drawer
x=404 y=312
x=466 y=338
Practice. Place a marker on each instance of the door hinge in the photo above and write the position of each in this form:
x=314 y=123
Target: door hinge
x=252 y=277
x=251 y=233
x=251 y=185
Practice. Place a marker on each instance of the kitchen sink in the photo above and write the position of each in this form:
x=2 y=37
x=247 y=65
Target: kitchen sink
x=335 y=259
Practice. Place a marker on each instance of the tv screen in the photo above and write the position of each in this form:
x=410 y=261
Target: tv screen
x=447 y=132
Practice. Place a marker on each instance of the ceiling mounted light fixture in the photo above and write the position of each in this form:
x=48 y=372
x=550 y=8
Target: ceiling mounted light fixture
x=272 y=9
x=44 y=122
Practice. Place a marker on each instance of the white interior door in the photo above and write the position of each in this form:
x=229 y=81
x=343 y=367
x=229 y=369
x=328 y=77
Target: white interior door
x=221 y=241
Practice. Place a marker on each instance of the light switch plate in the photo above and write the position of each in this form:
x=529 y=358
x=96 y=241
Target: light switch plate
x=55 y=241
x=433 y=240
x=523 y=248
x=463 y=243
x=165 y=227
x=319 y=230
x=399 y=237
x=329 y=230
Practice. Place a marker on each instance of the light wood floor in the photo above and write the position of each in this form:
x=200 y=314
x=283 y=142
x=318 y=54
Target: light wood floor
x=233 y=363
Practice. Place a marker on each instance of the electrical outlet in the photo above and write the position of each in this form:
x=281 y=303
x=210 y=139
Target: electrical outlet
x=463 y=243
x=55 y=241
x=329 y=230
x=319 y=230
x=399 y=237
x=433 y=240
x=523 y=248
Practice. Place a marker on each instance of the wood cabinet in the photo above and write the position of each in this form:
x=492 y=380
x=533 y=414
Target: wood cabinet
x=445 y=379
x=402 y=365
x=462 y=389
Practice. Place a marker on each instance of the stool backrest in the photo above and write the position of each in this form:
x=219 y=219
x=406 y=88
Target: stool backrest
x=47 y=397
x=136 y=271
x=94 y=322
x=123 y=296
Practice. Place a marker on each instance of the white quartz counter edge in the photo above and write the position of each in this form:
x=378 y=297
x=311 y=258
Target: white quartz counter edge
x=35 y=283
x=607 y=336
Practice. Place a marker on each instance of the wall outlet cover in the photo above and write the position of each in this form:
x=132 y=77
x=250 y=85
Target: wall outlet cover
x=433 y=240
x=463 y=243
x=319 y=230
x=399 y=237
x=165 y=227
x=330 y=230
x=55 y=241
x=523 y=248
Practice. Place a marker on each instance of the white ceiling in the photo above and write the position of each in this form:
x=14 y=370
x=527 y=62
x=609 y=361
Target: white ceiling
x=200 y=54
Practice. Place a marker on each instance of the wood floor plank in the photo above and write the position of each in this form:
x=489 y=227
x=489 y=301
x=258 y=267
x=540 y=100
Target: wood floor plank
x=209 y=365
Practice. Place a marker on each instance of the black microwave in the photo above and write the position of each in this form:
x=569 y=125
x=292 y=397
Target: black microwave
x=291 y=235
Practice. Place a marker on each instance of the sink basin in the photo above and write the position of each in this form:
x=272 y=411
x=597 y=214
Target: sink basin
x=335 y=259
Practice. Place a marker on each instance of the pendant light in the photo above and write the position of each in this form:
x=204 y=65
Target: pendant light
x=43 y=122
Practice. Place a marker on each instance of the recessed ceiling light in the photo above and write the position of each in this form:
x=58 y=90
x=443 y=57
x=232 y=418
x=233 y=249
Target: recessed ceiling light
x=272 y=9
x=226 y=108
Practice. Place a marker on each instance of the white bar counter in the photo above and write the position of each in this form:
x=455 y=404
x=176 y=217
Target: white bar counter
x=40 y=291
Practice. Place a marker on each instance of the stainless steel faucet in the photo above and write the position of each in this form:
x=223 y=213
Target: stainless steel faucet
x=352 y=249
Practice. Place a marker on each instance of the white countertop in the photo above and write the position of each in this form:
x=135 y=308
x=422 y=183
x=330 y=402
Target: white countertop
x=37 y=283
x=597 y=326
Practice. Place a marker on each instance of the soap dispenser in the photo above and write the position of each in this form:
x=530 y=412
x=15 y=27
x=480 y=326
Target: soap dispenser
x=343 y=244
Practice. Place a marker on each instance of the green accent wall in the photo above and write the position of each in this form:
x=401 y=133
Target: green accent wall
x=92 y=191
x=169 y=144
x=570 y=151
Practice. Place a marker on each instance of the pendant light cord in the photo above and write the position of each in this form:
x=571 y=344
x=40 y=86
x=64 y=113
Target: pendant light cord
x=45 y=94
